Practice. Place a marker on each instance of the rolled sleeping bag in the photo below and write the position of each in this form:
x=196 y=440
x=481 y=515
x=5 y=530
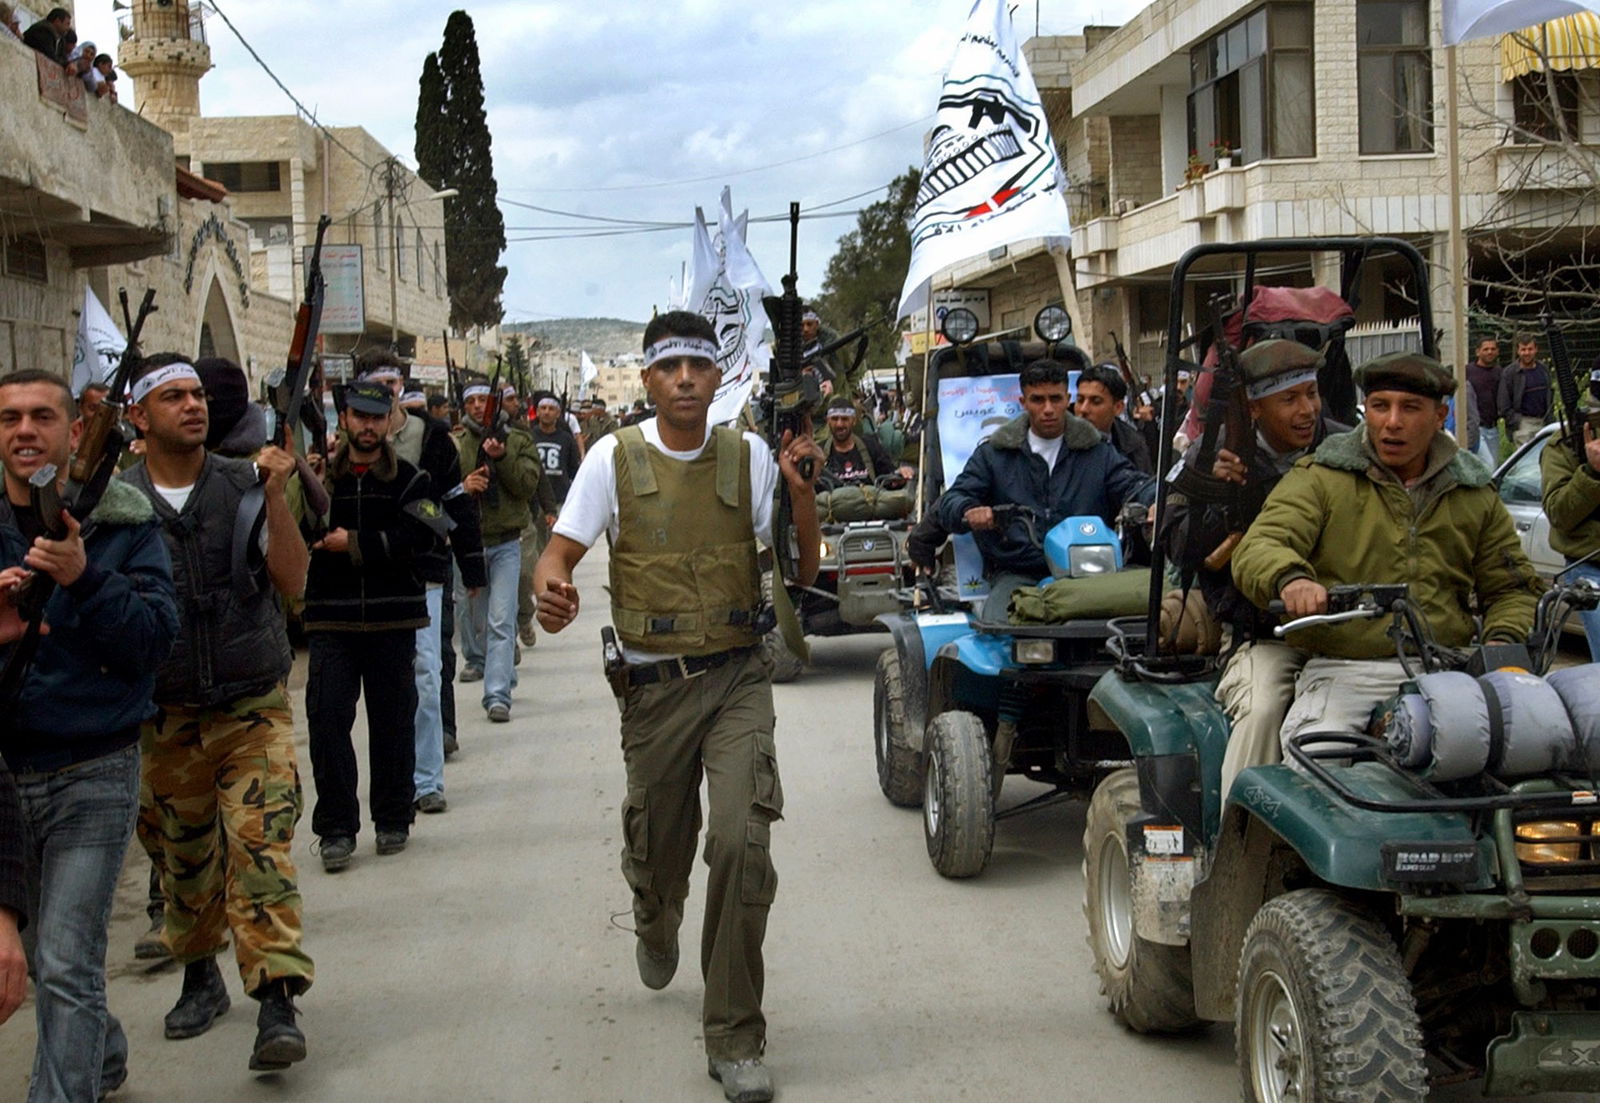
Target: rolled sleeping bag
x=1530 y=731
x=1456 y=743
x=1579 y=690
x=1410 y=731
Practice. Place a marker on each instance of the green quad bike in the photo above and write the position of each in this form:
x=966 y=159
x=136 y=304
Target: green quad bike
x=1386 y=913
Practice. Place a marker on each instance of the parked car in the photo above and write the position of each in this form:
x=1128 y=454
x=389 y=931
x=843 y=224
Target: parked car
x=1522 y=490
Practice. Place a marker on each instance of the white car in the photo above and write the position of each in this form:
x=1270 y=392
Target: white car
x=1522 y=490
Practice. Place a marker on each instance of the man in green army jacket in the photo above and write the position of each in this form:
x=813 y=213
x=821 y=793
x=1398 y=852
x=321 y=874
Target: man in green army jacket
x=1392 y=501
x=1572 y=503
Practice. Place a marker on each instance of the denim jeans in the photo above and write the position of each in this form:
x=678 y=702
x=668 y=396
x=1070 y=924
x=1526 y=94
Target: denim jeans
x=1591 y=619
x=429 y=772
x=490 y=625
x=79 y=821
x=1489 y=445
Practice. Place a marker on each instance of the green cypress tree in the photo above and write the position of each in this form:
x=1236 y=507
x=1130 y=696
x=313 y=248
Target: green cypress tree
x=475 y=231
x=517 y=363
x=863 y=277
x=433 y=147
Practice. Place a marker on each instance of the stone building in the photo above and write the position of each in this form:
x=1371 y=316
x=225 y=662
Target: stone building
x=281 y=174
x=83 y=184
x=1333 y=115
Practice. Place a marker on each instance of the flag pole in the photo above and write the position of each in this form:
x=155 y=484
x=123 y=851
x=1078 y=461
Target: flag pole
x=1456 y=250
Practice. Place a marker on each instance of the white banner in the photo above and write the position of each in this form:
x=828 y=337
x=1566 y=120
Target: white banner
x=99 y=344
x=587 y=373
x=731 y=299
x=991 y=176
x=1464 y=19
x=344 y=305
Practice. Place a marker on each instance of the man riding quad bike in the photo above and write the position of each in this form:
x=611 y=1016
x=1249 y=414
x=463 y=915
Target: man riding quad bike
x=1412 y=898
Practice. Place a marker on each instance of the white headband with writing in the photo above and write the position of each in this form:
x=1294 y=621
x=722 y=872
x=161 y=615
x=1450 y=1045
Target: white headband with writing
x=673 y=346
x=171 y=373
x=477 y=390
x=1261 y=388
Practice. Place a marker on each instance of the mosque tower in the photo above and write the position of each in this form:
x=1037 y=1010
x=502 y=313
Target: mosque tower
x=166 y=54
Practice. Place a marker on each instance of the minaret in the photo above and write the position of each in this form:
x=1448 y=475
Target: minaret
x=167 y=55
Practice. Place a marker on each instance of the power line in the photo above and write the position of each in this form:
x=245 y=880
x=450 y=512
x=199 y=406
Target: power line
x=304 y=110
x=739 y=172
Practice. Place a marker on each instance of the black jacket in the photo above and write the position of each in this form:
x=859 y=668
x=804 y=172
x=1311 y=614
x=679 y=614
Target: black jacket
x=1128 y=440
x=42 y=37
x=390 y=516
x=231 y=639
x=1090 y=478
x=442 y=462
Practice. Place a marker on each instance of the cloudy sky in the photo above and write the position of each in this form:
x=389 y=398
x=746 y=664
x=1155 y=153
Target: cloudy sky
x=630 y=109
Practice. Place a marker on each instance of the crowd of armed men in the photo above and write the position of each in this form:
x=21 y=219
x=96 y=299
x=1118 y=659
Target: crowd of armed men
x=155 y=703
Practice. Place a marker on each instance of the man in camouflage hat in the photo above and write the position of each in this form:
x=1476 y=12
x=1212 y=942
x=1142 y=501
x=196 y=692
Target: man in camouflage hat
x=1280 y=388
x=1392 y=501
x=220 y=793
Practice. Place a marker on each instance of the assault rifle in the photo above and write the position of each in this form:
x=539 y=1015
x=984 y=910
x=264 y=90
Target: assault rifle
x=1572 y=416
x=795 y=392
x=289 y=387
x=1138 y=385
x=861 y=336
x=1227 y=425
x=89 y=472
x=492 y=426
x=453 y=378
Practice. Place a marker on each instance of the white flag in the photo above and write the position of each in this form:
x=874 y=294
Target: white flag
x=731 y=300
x=1464 y=19
x=99 y=344
x=587 y=373
x=991 y=175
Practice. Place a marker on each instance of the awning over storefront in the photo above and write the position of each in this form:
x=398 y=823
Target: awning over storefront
x=1572 y=42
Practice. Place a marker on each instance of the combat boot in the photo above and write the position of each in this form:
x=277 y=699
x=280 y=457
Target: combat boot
x=279 y=1042
x=746 y=1081
x=204 y=997
x=656 y=970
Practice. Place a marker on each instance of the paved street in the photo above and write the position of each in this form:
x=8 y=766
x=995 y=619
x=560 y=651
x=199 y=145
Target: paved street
x=483 y=963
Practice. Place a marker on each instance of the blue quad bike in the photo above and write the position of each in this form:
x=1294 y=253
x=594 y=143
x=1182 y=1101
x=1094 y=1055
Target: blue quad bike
x=1382 y=913
x=958 y=703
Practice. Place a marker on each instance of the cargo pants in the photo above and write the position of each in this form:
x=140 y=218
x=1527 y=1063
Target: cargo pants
x=1255 y=689
x=218 y=803
x=718 y=724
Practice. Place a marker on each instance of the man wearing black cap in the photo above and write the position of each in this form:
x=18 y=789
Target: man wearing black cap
x=1392 y=501
x=364 y=604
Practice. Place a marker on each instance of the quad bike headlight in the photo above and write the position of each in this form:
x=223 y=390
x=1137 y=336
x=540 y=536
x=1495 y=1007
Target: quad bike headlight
x=1087 y=560
x=1538 y=842
x=1035 y=651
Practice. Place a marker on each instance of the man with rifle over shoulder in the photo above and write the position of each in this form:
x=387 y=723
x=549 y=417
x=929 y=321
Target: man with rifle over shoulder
x=221 y=785
x=503 y=473
x=1276 y=388
x=75 y=696
x=1571 y=470
x=695 y=691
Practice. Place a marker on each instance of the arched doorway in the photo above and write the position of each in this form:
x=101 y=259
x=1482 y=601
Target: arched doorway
x=216 y=326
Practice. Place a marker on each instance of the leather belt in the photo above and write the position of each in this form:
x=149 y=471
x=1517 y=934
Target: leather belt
x=684 y=666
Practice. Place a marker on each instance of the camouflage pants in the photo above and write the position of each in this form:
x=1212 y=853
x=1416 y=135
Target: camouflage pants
x=217 y=809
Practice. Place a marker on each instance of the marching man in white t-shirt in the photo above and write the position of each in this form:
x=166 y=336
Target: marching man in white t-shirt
x=685 y=505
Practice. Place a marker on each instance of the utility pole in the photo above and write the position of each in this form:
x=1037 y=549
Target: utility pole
x=391 y=189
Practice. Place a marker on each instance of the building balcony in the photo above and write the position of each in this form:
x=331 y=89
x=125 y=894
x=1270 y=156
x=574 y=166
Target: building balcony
x=1098 y=235
x=1547 y=168
x=1224 y=190
x=100 y=184
x=1192 y=202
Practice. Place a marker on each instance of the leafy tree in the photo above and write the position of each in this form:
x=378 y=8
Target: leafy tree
x=453 y=151
x=864 y=276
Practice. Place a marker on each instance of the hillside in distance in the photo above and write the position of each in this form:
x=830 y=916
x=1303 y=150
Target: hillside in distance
x=597 y=336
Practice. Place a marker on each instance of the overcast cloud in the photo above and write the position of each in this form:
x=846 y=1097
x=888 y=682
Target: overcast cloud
x=590 y=95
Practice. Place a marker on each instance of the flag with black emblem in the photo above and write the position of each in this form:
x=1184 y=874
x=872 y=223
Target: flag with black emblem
x=991 y=176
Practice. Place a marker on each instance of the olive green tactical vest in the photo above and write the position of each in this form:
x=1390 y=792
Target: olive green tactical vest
x=684 y=578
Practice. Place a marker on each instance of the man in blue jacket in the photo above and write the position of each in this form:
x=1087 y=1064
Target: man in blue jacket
x=73 y=740
x=1056 y=464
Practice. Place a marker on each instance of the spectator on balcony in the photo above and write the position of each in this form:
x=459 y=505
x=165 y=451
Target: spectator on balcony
x=48 y=35
x=80 y=58
x=8 y=17
x=107 y=69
